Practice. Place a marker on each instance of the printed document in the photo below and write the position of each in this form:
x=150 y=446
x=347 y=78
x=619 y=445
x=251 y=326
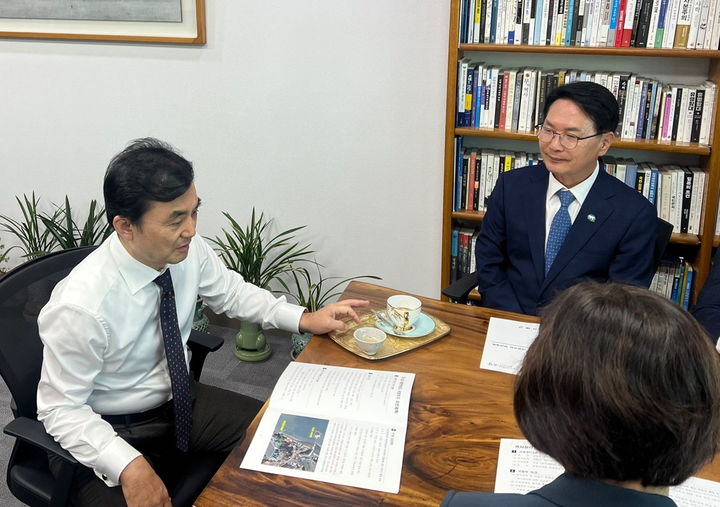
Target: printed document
x=506 y=343
x=521 y=468
x=333 y=424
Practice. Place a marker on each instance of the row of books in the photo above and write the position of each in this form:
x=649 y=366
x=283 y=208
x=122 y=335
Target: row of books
x=687 y=24
x=514 y=99
x=677 y=192
x=673 y=279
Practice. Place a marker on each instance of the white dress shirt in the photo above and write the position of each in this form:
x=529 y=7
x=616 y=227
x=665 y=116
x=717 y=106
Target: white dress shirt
x=552 y=201
x=104 y=350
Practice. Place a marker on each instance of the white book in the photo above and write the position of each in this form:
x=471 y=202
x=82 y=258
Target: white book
x=471 y=21
x=481 y=181
x=682 y=27
x=462 y=84
x=511 y=76
x=698 y=192
x=488 y=22
x=708 y=112
x=510 y=14
x=665 y=193
x=632 y=112
x=501 y=35
x=710 y=24
x=311 y=414
x=671 y=17
x=620 y=168
x=604 y=27
x=493 y=77
x=702 y=27
x=676 y=202
x=694 y=23
x=524 y=100
x=670 y=115
x=532 y=103
x=562 y=25
x=546 y=18
x=652 y=29
x=689 y=114
x=715 y=37
x=682 y=118
x=594 y=22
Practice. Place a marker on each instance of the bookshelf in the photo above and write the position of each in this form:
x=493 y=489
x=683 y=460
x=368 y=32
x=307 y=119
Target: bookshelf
x=696 y=247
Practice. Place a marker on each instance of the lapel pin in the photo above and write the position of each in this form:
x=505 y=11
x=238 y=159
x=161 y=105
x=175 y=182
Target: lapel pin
x=591 y=217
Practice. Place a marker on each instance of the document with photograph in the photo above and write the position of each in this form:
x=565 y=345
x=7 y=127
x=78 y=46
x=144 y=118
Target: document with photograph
x=521 y=468
x=506 y=343
x=334 y=424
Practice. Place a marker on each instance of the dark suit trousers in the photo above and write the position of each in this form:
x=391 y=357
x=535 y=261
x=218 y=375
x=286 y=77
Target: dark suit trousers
x=220 y=418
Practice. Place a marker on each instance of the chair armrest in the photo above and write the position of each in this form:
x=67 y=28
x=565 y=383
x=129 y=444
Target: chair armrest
x=201 y=344
x=33 y=432
x=460 y=288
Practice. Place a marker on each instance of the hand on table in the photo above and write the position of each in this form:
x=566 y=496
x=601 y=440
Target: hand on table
x=327 y=318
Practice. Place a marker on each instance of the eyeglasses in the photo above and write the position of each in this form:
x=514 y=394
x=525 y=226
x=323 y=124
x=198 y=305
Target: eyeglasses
x=569 y=141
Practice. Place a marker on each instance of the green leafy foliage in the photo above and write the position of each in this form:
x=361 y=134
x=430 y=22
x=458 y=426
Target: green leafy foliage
x=69 y=234
x=313 y=292
x=259 y=260
x=35 y=239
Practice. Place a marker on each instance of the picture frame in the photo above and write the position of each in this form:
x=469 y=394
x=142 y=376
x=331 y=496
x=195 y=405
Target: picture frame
x=190 y=31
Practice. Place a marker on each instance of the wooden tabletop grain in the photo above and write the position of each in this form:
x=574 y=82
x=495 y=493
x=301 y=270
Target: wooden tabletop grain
x=458 y=414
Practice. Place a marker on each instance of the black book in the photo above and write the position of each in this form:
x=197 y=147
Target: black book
x=697 y=116
x=644 y=24
x=542 y=84
x=483 y=6
x=576 y=18
x=636 y=19
x=622 y=98
x=548 y=28
x=676 y=113
x=686 y=198
x=498 y=98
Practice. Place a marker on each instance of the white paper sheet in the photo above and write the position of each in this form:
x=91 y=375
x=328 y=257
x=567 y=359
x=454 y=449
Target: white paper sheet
x=506 y=343
x=521 y=468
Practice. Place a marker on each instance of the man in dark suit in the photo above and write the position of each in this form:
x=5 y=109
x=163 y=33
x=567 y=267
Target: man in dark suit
x=549 y=226
x=707 y=308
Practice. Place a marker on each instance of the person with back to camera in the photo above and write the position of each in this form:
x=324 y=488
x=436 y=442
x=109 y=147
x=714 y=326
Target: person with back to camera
x=565 y=220
x=622 y=388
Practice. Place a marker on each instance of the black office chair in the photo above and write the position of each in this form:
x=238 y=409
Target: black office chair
x=459 y=290
x=23 y=292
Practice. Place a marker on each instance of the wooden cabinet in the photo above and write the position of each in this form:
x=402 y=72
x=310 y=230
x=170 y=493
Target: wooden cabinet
x=697 y=248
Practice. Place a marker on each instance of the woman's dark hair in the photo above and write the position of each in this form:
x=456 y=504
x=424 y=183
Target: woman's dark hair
x=595 y=100
x=621 y=384
x=147 y=170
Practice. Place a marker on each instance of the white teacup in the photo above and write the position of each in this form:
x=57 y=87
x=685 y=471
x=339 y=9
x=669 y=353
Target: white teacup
x=403 y=311
x=369 y=339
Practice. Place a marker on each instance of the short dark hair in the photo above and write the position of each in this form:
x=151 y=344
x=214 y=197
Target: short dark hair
x=595 y=100
x=621 y=384
x=147 y=170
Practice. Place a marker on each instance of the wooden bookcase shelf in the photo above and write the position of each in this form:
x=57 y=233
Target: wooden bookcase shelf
x=709 y=159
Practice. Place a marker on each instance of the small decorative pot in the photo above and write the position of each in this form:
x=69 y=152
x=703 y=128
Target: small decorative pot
x=250 y=343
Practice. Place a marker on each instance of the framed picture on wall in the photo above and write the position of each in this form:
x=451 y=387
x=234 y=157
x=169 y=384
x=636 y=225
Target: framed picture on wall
x=164 y=21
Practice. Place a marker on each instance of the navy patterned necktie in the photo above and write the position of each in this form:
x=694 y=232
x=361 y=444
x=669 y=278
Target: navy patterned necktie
x=558 y=228
x=177 y=366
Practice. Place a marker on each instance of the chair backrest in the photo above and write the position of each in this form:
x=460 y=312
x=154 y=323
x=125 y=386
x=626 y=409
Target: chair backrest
x=663 y=232
x=23 y=292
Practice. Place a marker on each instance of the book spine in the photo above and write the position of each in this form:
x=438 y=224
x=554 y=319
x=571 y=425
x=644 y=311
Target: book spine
x=686 y=195
x=697 y=115
x=682 y=28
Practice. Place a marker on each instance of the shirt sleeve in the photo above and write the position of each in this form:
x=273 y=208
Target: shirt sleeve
x=74 y=342
x=225 y=291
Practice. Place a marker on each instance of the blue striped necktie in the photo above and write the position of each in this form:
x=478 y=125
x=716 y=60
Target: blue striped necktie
x=558 y=228
x=177 y=366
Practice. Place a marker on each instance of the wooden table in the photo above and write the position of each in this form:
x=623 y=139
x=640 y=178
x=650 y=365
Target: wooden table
x=458 y=414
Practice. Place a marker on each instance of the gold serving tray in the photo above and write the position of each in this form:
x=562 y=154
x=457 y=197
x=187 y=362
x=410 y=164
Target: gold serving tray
x=394 y=345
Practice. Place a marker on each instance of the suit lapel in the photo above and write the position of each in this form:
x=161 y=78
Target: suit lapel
x=533 y=200
x=593 y=213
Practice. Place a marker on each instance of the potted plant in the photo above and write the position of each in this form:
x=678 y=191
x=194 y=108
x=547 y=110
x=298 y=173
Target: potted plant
x=35 y=240
x=69 y=234
x=312 y=290
x=259 y=261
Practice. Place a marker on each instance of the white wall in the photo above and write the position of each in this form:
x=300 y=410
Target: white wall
x=328 y=113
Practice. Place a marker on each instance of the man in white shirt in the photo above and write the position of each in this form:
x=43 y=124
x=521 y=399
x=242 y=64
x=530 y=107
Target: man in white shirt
x=552 y=225
x=105 y=392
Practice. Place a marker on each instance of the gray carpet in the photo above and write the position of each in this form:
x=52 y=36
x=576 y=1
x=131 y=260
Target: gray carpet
x=221 y=369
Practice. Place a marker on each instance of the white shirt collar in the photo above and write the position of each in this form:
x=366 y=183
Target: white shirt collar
x=579 y=191
x=136 y=274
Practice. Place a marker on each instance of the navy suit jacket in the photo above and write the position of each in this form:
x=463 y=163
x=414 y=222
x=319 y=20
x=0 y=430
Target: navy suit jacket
x=567 y=490
x=612 y=239
x=707 y=309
